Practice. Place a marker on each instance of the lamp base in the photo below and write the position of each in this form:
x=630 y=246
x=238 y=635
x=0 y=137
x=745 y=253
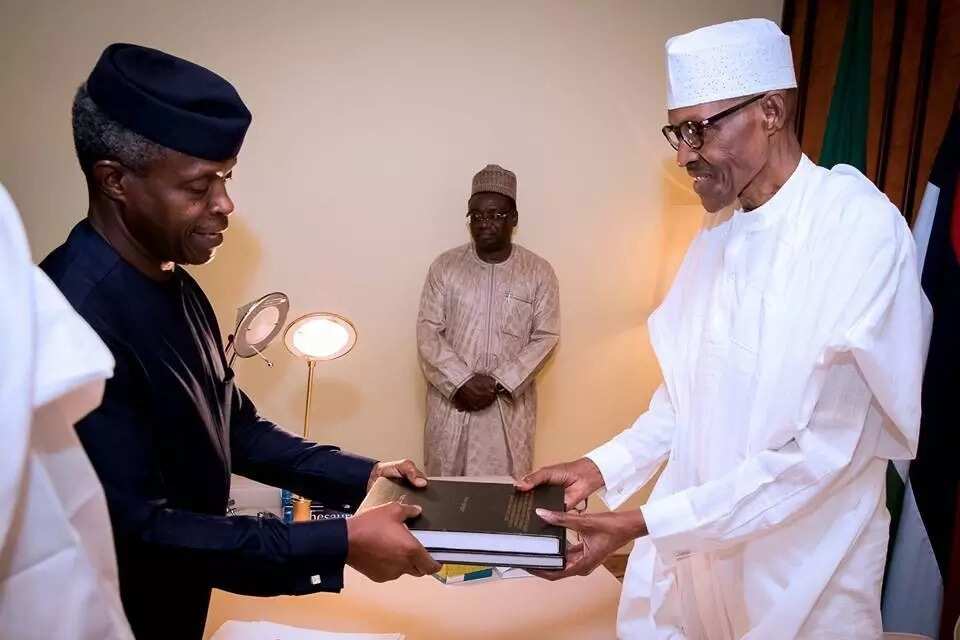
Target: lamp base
x=301 y=509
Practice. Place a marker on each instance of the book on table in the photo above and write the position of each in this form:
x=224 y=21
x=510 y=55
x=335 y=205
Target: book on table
x=480 y=523
x=458 y=573
x=454 y=574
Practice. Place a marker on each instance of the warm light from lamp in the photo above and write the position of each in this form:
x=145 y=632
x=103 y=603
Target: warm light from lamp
x=320 y=336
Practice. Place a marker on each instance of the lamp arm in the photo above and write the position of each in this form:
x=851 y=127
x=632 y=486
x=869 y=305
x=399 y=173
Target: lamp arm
x=306 y=410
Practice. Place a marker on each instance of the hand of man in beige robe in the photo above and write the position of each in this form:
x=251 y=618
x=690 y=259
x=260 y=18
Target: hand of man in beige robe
x=477 y=393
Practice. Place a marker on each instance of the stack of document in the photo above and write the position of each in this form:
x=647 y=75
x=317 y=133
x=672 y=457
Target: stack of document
x=261 y=630
x=480 y=523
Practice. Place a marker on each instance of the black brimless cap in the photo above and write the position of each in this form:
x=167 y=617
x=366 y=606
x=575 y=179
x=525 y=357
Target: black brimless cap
x=170 y=101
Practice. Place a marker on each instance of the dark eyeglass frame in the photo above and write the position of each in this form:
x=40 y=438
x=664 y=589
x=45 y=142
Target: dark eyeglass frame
x=483 y=216
x=691 y=131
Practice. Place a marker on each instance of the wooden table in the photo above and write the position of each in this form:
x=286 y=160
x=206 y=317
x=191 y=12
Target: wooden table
x=582 y=608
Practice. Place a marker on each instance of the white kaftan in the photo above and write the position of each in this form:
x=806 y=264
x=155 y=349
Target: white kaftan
x=58 y=571
x=792 y=345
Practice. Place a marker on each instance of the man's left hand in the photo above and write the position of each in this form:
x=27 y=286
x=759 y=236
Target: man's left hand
x=600 y=535
x=398 y=470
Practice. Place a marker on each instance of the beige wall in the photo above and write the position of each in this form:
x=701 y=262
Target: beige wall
x=369 y=120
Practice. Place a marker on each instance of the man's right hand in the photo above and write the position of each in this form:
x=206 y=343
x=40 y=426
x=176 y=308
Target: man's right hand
x=477 y=393
x=579 y=479
x=381 y=547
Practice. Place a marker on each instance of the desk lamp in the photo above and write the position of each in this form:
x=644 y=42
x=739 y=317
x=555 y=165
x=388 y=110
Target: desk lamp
x=315 y=337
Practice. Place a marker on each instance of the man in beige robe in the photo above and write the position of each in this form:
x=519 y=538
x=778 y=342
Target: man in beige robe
x=489 y=317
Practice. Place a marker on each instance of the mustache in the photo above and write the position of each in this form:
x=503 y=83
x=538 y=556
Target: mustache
x=216 y=226
x=697 y=168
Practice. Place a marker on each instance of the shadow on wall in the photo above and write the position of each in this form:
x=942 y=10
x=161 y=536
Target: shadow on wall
x=336 y=400
x=681 y=218
x=326 y=417
x=231 y=275
x=232 y=270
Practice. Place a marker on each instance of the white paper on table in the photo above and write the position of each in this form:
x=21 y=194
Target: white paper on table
x=513 y=572
x=262 y=630
x=499 y=573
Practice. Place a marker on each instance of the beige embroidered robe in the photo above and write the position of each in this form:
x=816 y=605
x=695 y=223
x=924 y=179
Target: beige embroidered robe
x=499 y=319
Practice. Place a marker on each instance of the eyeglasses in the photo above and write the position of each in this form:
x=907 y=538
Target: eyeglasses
x=691 y=132
x=477 y=217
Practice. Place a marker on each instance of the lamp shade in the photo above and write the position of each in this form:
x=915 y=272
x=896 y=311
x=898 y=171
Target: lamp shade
x=320 y=336
x=259 y=322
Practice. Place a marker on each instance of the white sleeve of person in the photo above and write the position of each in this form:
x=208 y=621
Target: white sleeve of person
x=629 y=460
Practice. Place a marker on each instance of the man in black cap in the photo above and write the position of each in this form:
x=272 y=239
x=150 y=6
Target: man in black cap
x=157 y=138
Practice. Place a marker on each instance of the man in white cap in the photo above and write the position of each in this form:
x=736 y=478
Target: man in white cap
x=792 y=345
x=489 y=318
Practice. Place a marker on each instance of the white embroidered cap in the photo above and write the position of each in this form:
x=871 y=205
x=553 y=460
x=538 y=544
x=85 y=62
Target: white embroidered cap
x=728 y=60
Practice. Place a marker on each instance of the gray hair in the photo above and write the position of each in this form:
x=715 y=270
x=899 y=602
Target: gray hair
x=96 y=136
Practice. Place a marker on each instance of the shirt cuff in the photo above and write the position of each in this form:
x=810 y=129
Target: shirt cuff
x=506 y=375
x=505 y=384
x=670 y=522
x=452 y=385
x=318 y=553
x=616 y=466
x=355 y=474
